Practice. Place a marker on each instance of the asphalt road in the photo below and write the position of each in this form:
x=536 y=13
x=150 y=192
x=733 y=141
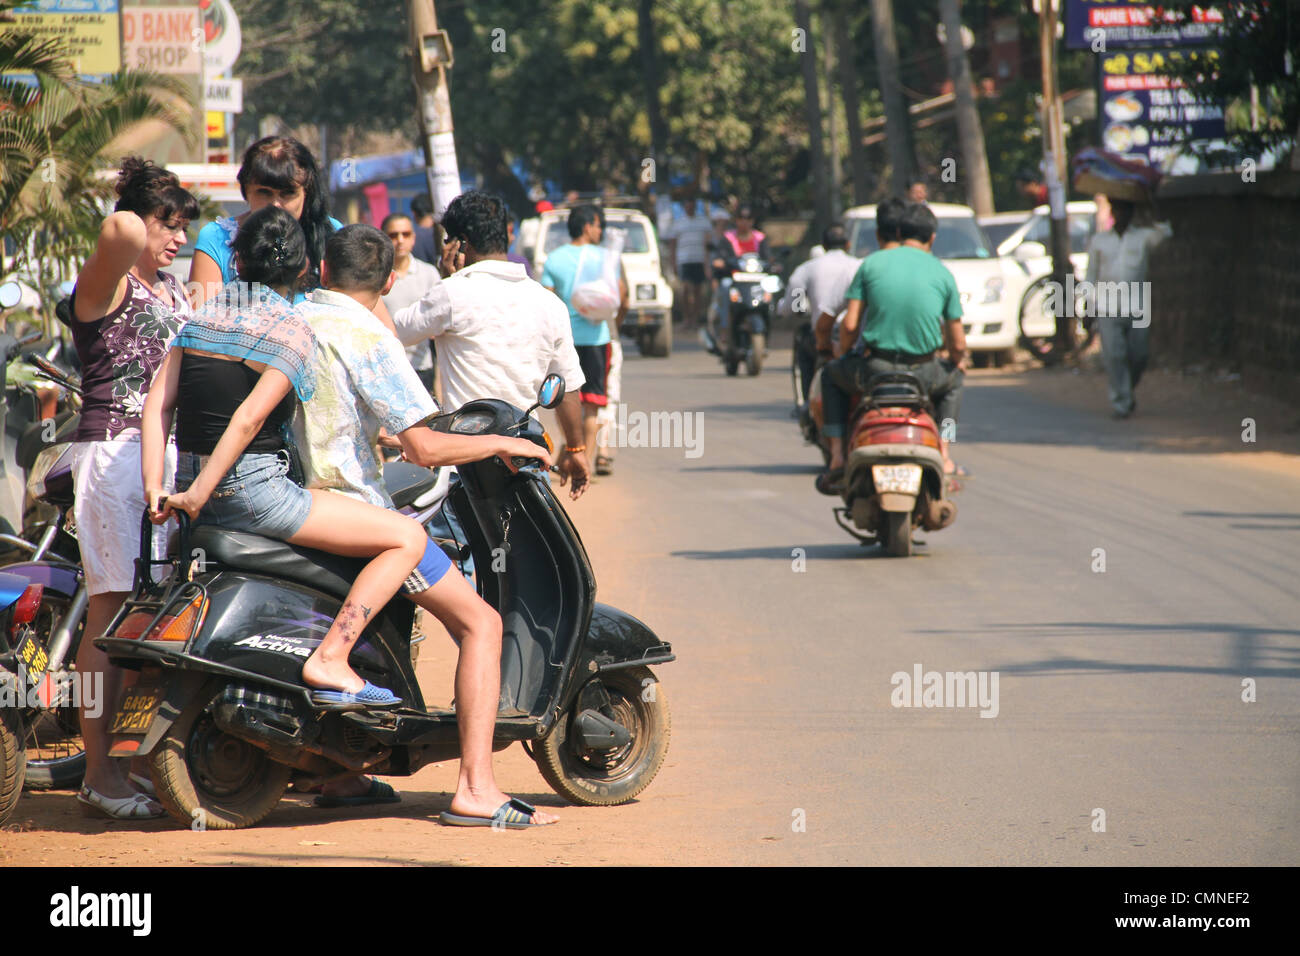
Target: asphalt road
x=1120 y=697
x=1120 y=738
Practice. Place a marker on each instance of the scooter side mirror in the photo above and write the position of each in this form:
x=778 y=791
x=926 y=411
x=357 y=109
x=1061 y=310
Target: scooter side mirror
x=11 y=293
x=552 y=391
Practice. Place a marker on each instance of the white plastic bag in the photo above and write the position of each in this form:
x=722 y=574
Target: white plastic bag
x=597 y=300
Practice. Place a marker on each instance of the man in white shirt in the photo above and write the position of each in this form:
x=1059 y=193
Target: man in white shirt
x=1121 y=300
x=690 y=235
x=415 y=278
x=816 y=286
x=498 y=332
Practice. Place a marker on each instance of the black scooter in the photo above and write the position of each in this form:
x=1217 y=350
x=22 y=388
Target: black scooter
x=748 y=303
x=222 y=713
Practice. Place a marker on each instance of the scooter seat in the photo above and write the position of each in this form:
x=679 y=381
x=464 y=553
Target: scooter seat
x=240 y=551
x=331 y=573
x=406 y=482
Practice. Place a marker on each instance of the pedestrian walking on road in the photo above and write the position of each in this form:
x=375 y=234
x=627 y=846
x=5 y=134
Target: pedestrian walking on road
x=1121 y=298
x=579 y=264
x=690 y=234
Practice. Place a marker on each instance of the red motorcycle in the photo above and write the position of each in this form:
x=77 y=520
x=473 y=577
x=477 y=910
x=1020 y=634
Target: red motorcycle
x=893 y=467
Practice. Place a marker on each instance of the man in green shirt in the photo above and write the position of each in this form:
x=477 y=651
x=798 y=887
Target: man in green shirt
x=913 y=310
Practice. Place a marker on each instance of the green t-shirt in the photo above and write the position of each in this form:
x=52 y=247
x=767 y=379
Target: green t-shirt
x=907 y=294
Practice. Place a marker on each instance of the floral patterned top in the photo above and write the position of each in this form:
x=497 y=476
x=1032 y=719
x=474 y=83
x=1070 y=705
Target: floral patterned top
x=363 y=383
x=120 y=355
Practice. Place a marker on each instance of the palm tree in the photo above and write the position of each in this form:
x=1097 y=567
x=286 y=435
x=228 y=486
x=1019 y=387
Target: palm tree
x=54 y=136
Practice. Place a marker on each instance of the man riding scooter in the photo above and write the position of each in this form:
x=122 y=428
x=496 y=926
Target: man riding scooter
x=913 y=309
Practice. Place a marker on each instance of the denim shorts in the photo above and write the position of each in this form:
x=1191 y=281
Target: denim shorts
x=256 y=495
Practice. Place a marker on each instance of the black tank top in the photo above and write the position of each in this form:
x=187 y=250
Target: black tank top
x=209 y=392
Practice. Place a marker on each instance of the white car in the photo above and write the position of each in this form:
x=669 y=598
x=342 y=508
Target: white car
x=991 y=286
x=650 y=297
x=1030 y=245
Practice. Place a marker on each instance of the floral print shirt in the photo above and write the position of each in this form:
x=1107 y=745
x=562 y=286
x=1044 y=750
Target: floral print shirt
x=364 y=382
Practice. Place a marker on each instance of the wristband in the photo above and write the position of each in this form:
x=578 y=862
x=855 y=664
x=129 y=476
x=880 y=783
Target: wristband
x=574 y=449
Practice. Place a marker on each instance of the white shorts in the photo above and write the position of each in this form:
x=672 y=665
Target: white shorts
x=109 y=507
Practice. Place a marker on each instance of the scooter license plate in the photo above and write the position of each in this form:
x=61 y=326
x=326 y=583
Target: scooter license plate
x=139 y=705
x=33 y=658
x=905 y=479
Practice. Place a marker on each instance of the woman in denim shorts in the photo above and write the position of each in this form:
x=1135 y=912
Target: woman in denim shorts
x=231 y=378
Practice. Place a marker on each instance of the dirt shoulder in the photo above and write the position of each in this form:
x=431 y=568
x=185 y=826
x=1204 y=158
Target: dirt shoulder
x=1190 y=412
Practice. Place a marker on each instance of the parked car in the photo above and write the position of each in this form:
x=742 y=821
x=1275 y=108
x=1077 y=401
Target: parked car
x=1000 y=225
x=650 y=297
x=991 y=286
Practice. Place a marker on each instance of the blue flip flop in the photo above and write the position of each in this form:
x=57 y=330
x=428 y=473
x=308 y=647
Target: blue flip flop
x=514 y=814
x=368 y=696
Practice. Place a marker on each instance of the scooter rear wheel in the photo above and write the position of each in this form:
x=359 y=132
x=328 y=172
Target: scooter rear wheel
x=608 y=778
x=897 y=537
x=209 y=780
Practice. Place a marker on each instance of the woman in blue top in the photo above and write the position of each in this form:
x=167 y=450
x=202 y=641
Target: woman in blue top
x=276 y=171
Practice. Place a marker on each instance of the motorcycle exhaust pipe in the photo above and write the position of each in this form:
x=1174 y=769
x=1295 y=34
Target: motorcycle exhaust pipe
x=939 y=515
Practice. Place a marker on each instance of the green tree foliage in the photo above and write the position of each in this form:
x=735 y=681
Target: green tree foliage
x=1261 y=49
x=326 y=61
x=560 y=84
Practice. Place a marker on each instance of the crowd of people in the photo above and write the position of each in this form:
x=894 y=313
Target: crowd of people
x=260 y=398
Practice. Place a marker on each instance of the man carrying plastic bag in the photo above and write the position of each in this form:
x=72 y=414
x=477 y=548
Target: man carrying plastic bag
x=589 y=280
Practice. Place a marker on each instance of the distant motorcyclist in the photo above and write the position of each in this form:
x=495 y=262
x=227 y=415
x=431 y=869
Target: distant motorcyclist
x=736 y=242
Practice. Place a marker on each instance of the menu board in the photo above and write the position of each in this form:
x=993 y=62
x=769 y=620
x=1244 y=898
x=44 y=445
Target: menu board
x=1138 y=23
x=1144 y=114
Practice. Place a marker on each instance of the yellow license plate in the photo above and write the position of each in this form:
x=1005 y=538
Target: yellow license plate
x=137 y=711
x=33 y=658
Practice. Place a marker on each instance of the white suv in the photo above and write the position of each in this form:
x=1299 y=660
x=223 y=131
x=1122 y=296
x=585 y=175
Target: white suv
x=990 y=285
x=650 y=297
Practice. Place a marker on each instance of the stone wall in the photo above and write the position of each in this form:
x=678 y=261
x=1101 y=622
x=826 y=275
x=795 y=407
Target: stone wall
x=1226 y=287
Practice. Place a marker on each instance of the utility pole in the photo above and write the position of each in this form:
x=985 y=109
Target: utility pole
x=1053 y=123
x=432 y=58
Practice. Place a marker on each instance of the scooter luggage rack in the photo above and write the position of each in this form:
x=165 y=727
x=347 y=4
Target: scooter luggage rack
x=161 y=596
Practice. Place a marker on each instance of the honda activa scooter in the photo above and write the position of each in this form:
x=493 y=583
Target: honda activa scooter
x=221 y=711
x=893 y=468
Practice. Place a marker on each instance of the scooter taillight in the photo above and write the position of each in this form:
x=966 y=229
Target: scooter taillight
x=906 y=433
x=170 y=627
x=26 y=606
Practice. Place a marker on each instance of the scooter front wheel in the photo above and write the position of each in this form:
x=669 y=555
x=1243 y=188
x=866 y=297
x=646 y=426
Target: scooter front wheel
x=754 y=357
x=606 y=778
x=207 y=779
